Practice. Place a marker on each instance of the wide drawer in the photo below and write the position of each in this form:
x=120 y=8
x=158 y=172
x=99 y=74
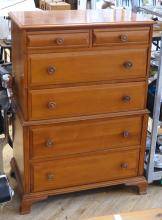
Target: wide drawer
x=119 y=36
x=63 y=68
x=86 y=100
x=85 y=136
x=84 y=170
x=53 y=39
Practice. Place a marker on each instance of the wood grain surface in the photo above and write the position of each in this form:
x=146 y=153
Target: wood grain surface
x=74 y=18
x=80 y=89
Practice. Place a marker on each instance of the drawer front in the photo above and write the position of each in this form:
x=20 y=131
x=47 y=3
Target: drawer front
x=86 y=100
x=63 y=68
x=111 y=37
x=82 y=170
x=66 y=39
x=85 y=136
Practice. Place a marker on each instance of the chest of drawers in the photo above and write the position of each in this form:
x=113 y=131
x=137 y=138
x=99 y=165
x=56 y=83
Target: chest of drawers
x=80 y=88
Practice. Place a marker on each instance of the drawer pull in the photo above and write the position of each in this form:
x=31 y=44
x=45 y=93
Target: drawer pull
x=128 y=65
x=126 y=98
x=124 y=37
x=51 y=70
x=50 y=177
x=59 y=41
x=125 y=134
x=51 y=105
x=49 y=143
x=124 y=165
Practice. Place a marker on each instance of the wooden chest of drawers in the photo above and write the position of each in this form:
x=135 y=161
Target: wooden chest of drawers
x=80 y=88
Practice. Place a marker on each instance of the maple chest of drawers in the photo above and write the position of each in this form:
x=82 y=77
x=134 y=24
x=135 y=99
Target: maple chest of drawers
x=80 y=88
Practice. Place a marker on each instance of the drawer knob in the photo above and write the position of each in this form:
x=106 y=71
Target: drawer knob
x=49 y=143
x=124 y=165
x=128 y=65
x=51 y=105
x=59 y=41
x=51 y=70
x=126 y=98
x=50 y=177
x=125 y=134
x=124 y=37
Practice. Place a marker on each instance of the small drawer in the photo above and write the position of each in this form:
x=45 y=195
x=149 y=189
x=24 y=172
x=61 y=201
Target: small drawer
x=83 y=170
x=110 y=37
x=64 y=68
x=86 y=100
x=65 y=39
x=85 y=136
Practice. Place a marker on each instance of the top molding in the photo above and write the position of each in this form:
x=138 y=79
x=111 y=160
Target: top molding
x=75 y=18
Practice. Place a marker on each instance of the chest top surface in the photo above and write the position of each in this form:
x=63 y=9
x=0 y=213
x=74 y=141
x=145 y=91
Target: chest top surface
x=73 y=18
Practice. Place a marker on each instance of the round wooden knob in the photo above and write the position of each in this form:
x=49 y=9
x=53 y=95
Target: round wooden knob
x=126 y=98
x=49 y=143
x=125 y=134
x=50 y=176
x=51 y=70
x=124 y=37
x=51 y=105
x=60 y=41
x=128 y=65
x=124 y=165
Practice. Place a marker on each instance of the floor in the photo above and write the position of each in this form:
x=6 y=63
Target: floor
x=81 y=205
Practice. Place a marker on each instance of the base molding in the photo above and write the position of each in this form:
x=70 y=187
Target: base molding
x=28 y=199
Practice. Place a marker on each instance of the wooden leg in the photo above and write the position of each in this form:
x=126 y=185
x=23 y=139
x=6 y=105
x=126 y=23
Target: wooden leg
x=28 y=200
x=140 y=183
x=142 y=188
x=25 y=206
